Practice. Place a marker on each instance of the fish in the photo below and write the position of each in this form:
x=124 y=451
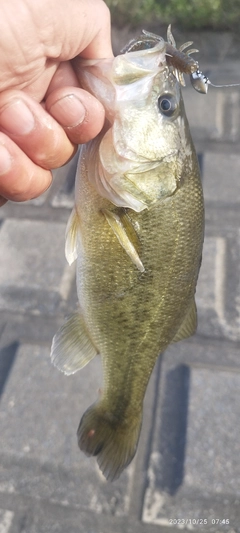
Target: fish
x=136 y=232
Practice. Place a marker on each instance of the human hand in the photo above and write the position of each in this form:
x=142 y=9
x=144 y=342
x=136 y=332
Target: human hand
x=44 y=113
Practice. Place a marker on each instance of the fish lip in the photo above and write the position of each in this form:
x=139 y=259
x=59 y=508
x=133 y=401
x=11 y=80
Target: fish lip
x=129 y=48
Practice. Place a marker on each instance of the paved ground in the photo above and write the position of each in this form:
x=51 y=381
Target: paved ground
x=187 y=470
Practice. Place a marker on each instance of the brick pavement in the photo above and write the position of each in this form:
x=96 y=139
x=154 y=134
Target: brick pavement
x=187 y=465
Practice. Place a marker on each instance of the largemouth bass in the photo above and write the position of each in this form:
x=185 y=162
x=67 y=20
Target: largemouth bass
x=137 y=233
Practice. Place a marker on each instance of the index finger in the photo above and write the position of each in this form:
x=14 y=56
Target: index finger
x=100 y=44
x=82 y=27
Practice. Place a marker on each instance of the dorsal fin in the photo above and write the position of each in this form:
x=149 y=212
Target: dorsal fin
x=189 y=324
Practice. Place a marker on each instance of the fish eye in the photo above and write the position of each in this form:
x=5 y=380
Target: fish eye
x=167 y=104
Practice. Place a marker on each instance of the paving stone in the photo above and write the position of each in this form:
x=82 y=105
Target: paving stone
x=6 y=518
x=194 y=464
x=214 y=116
x=34 y=270
x=210 y=282
x=218 y=308
x=198 y=350
x=40 y=411
x=7 y=357
x=44 y=524
x=212 y=464
x=53 y=519
x=221 y=178
x=205 y=113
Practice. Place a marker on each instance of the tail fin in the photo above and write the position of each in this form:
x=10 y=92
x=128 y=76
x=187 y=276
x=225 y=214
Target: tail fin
x=114 y=443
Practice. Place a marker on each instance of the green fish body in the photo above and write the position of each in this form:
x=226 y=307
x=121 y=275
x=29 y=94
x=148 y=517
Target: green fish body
x=137 y=234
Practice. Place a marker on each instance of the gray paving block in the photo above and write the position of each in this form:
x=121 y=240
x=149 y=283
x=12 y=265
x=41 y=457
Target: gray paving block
x=212 y=451
x=215 y=116
x=221 y=178
x=203 y=112
x=33 y=269
x=209 y=352
x=40 y=411
x=210 y=287
x=6 y=519
x=61 y=520
x=194 y=469
x=218 y=289
x=81 y=524
x=7 y=357
x=52 y=519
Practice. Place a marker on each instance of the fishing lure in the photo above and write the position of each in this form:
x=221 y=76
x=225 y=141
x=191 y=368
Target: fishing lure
x=200 y=82
x=178 y=59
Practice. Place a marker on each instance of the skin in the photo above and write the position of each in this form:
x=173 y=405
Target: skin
x=44 y=113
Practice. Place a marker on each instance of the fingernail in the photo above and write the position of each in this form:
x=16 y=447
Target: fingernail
x=17 y=118
x=68 y=111
x=5 y=160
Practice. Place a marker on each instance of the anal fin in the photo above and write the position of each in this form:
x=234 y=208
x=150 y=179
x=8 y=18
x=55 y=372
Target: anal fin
x=189 y=324
x=72 y=347
x=121 y=228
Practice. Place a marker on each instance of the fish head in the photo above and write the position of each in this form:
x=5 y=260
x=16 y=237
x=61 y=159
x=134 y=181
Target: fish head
x=137 y=159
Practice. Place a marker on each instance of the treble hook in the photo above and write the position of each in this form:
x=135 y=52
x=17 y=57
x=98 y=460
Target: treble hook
x=200 y=82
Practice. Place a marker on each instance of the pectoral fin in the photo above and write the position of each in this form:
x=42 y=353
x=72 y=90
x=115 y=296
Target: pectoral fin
x=120 y=228
x=189 y=324
x=72 y=235
x=72 y=347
